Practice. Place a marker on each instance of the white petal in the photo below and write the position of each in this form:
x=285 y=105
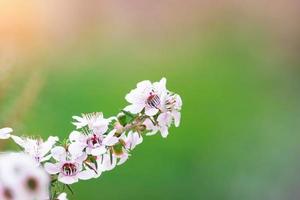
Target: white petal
x=164 y=119
x=46 y=146
x=43 y=159
x=160 y=86
x=81 y=122
x=59 y=153
x=151 y=111
x=67 y=179
x=144 y=84
x=177 y=117
x=134 y=108
x=110 y=139
x=76 y=149
x=123 y=159
x=18 y=140
x=151 y=133
x=5 y=133
x=76 y=136
x=62 y=196
x=105 y=163
x=98 y=151
x=164 y=131
x=81 y=158
x=86 y=174
x=178 y=102
x=51 y=168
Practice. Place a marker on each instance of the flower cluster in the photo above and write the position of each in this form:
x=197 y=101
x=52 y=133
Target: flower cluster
x=99 y=144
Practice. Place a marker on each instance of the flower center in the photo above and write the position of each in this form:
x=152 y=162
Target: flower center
x=94 y=141
x=153 y=100
x=7 y=193
x=69 y=169
x=32 y=184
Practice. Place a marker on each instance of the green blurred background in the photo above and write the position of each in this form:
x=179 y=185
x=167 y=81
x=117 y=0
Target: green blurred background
x=235 y=64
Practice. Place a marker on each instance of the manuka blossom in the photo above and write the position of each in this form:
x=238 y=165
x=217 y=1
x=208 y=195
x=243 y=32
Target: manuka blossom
x=36 y=148
x=131 y=140
x=170 y=112
x=146 y=96
x=21 y=178
x=96 y=145
x=68 y=167
x=93 y=121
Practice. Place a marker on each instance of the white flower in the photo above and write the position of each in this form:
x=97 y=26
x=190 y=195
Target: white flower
x=170 y=111
x=36 y=148
x=132 y=139
x=5 y=133
x=70 y=168
x=146 y=96
x=21 y=178
x=62 y=196
x=93 y=143
x=172 y=106
x=94 y=121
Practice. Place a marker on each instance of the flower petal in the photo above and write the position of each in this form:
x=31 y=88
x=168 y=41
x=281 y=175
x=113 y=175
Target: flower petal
x=151 y=111
x=5 y=133
x=134 y=108
x=76 y=149
x=18 y=140
x=51 y=168
x=59 y=153
x=177 y=117
x=76 y=136
x=98 y=151
x=67 y=179
x=46 y=146
x=164 y=131
x=86 y=174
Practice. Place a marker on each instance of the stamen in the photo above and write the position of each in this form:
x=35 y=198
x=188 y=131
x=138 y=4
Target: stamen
x=153 y=100
x=69 y=169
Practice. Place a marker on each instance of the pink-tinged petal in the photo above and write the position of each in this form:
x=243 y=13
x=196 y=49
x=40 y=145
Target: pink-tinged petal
x=18 y=140
x=59 y=153
x=160 y=86
x=177 y=117
x=133 y=139
x=105 y=163
x=46 y=146
x=164 y=119
x=164 y=131
x=81 y=122
x=62 y=196
x=151 y=111
x=76 y=136
x=81 y=158
x=67 y=179
x=98 y=174
x=76 y=149
x=51 y=168
x=134 y=108
x=98 y=151
x=5 y=133
x=144 y=84
x=86 y=174
x=46 y=158
x=123 y=159
x=151 y=133
x=178 y=102
x=110 y=139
